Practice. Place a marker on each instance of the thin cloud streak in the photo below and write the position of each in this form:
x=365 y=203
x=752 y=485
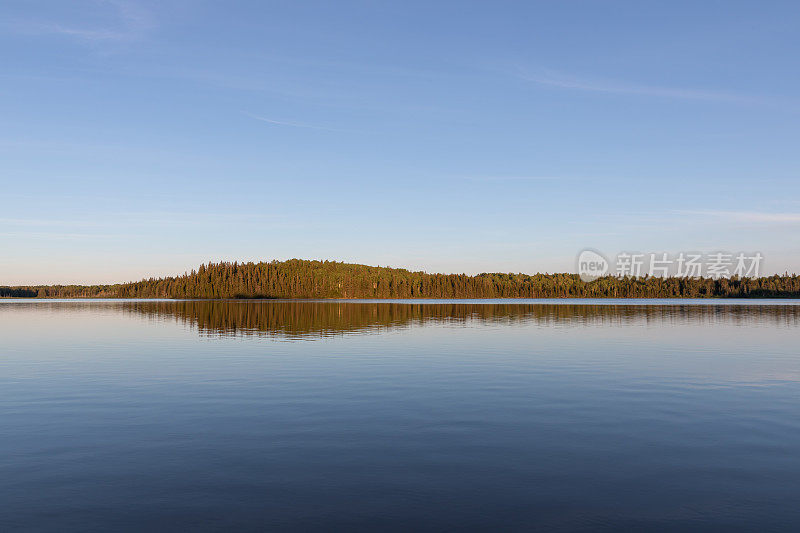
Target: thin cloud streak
x=750 y=216
x=150 y=218
x=133 y=23
x=512 y=178
x=45 y=222
x=91 y=35
x=554 y=79
x=58 y=235
x=291 y=124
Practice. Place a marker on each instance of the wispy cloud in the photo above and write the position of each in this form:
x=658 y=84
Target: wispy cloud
x=291 y=124
x=562 y=81
x=512 y=178
x=147 y=219
x=127 y=21
x=36 y=222
x=54 y=235
x=750 y=216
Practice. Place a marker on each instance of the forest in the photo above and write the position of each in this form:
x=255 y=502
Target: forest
x=297 y=278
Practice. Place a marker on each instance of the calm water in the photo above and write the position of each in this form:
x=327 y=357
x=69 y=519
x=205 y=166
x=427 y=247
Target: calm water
x=512 y=415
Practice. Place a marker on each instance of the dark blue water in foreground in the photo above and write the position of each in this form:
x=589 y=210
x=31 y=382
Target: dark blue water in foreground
x=220 y=416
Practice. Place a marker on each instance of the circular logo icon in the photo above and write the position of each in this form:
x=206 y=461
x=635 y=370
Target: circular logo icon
x=591 y=265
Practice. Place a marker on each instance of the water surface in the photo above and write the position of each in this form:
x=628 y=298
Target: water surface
x=424 y=415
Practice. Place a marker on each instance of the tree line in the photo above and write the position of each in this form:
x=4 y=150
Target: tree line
x=298 y=278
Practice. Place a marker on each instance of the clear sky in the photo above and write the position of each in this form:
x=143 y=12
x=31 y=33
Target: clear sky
x=142 y=138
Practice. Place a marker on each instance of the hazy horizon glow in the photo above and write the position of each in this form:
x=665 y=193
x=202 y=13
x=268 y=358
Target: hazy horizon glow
x=143 y=138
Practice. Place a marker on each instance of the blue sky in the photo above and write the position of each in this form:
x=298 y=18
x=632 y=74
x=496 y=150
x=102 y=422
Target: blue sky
x=142 y=138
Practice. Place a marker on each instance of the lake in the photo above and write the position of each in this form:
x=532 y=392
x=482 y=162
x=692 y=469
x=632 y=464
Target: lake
x=566 y=415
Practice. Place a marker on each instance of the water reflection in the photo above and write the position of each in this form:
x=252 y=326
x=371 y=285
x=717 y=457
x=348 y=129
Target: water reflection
x=510 y=415
x=309 y=320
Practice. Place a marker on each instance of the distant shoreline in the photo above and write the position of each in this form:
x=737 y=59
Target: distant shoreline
x=304 y=279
